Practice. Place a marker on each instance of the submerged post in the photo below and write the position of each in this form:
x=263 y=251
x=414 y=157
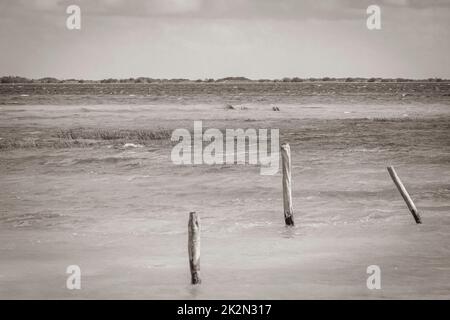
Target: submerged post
x=404 y=194
x=287 y=190
x=194 y=247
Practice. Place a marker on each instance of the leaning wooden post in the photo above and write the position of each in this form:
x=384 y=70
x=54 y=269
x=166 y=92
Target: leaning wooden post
x=194 y=247
x=287 y=190
x=404 y=194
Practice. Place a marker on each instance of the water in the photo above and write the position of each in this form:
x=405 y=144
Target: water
x=121 y=213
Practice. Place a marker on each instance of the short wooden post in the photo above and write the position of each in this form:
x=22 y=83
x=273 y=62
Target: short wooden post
x=404 y=194
x=194 y=247
x=287 y=188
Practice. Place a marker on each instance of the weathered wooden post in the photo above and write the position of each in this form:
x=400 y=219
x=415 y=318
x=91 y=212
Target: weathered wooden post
x=194 y=247
x=287 y=190
x=404 y=194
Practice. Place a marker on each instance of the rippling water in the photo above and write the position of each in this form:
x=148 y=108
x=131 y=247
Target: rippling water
x=121 y=213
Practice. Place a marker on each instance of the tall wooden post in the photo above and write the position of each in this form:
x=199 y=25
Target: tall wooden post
x=287 y=187
x=404 y=194
x=194 y=247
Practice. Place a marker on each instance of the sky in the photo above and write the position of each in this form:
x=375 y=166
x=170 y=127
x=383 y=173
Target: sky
x=198 y=39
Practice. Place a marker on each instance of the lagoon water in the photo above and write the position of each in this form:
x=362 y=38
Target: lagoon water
x=120 y=211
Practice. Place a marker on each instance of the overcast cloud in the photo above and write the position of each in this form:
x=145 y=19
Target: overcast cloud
x=217 y=38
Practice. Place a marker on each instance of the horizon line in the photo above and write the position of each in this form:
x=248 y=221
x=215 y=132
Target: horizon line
x=9 y=79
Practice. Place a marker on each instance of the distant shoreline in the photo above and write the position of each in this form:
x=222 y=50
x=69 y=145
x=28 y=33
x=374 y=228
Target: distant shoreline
x=9 y=80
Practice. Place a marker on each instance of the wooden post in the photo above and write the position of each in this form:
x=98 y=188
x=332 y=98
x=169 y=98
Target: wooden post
x=287 y=190
x=404 y=194
x=194 y=247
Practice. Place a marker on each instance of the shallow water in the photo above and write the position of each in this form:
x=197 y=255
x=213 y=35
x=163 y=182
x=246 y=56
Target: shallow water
x=121 y=213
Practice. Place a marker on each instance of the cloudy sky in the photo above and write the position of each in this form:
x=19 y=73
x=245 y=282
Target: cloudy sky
x=218 y=38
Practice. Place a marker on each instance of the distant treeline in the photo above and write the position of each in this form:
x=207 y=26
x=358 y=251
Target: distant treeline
x=16 y=79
